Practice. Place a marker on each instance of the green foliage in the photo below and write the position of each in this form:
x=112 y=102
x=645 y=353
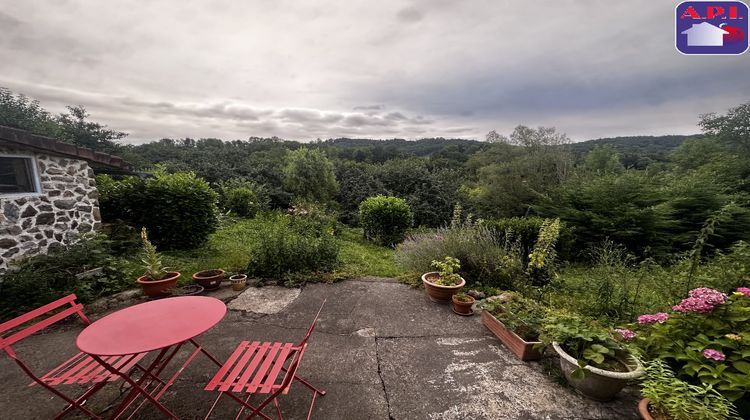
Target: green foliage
x=583 y=338
x=385 y=220
x=357 y=182
x=178 y=209
x=154 y=269
x=541 y=265
x=676 y=399
x=288 y=244
x=520 y=315
x=309 y=175
x=241 y=197
x=447 y=268
x=603 y=159
x=483 y=259
x=41 y=279
x=732 y=128
x=684 y=337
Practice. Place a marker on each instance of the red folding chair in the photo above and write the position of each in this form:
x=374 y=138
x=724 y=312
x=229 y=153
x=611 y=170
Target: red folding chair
x=256 y=368
x=79 y=369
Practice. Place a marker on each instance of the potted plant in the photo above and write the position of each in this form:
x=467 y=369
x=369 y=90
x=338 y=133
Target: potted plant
x=705 y=338
x=593 y=361
x=515 y=321
x=239 y=281
x=670 y=398
x=462 y=304
x=157 y=280
x=209 y=279
x=442 y=284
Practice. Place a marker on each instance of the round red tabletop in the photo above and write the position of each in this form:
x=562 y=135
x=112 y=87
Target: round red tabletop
x=151 y=325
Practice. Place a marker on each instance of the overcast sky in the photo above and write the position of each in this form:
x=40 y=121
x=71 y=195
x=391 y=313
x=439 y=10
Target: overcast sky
x=378 y=69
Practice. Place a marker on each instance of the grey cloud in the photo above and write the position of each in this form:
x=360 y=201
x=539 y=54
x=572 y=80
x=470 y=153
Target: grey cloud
x=409 y=15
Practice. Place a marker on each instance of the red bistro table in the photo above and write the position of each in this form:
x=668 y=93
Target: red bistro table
x=162 y=325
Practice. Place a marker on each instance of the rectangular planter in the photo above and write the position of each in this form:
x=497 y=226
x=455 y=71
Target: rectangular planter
x=524 y=350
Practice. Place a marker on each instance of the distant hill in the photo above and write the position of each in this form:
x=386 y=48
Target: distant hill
x=641 y=145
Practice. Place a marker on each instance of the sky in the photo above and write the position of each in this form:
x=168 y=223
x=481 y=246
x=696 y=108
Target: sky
x=370 y=69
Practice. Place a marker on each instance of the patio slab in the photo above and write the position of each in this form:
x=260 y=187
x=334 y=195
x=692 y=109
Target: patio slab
x=382 y=351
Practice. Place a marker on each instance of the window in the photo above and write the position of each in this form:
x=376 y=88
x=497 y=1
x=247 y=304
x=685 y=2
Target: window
x=18 y=175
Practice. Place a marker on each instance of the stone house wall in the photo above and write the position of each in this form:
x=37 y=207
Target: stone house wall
x=66 y=208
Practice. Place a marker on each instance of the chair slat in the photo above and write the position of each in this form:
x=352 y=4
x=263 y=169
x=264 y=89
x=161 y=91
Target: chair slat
x=274 y=373
x=261 y=373
x=62 y=367
x=10 y=340
x=7 y=325
x=129 y=365
x=216 y=380
x=248 y=365
x=64 y=376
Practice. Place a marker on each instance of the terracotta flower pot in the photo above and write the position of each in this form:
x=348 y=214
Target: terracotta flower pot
x=461 y=307
x=209 y=279
x=643 y=409
x=524 y=350
x=158 y=288
x=599 y=384
x=239 y=281
x=438 y=293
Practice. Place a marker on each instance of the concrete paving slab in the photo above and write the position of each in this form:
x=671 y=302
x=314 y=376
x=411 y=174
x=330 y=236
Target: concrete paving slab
x=264 y=300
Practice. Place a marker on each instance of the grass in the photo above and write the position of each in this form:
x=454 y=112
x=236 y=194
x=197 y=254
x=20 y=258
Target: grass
x=230 y=246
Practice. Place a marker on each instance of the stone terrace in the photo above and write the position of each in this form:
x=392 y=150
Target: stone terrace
x=381 y=350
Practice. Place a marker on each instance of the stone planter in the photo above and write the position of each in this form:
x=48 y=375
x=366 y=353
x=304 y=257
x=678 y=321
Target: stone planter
x=599 y=384
x=158 y=288
x=438 y=293
x=239 y=281
x=524 y=350
x=209 y=279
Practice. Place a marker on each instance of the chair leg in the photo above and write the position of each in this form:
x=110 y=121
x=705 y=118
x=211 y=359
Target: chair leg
x=82 y=399
x=278 y=409
x=307 y=384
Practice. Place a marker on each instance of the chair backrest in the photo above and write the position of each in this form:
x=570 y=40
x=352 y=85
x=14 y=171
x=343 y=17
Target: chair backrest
x=13 y=336
x=312 y=325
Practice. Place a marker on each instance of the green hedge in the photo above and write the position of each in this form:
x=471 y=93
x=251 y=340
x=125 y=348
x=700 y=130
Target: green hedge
x=179 y=210
x=385 y=220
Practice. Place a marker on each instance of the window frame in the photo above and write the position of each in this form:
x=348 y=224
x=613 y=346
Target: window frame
x=34 y=174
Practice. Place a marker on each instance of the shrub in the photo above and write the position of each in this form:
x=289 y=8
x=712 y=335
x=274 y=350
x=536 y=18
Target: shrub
x=309 y=175
x=385 y=220
x=242 y=198
x=705 y=338
x=483 y=259
x=43 y=278
x=289 y=244
x=523 y=231
x=675 y=399
x=179 y=210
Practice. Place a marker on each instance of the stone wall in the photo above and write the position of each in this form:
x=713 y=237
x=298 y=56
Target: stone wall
x=66 y=208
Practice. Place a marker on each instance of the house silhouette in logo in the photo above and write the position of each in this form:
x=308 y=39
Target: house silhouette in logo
x=705 y=35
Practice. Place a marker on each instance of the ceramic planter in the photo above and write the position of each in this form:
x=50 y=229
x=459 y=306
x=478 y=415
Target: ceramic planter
x=438 y=293
x=209 y=279
x=524 y=350
x=461 y=307
x=158 y=288
x=599 y=384
x=239 y=281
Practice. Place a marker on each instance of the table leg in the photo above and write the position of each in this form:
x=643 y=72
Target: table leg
x=137 y=389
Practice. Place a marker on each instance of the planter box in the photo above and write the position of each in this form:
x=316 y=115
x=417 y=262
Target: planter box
x=524 y=350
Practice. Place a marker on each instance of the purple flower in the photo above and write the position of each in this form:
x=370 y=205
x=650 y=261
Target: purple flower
x=652 y=319
x=744 y=290
x=692 y=304
x=710 y=296
x=702 y=300
x=714 y=355
x=626 y=334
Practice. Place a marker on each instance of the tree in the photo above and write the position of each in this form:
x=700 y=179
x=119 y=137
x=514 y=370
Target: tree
x=357 y=181
x=74 y=128
x=603 y=159
x=732 y=128
x=309 y=175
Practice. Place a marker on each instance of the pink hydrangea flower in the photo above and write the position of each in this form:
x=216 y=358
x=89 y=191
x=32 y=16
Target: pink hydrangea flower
x=702 y=300
x=714 y=355
x=652 y=319
x=626 y=334
x=744 y=290
x=710 y=296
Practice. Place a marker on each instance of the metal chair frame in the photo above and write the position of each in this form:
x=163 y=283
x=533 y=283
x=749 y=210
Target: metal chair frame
x=258 y=374
x=79 y=369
